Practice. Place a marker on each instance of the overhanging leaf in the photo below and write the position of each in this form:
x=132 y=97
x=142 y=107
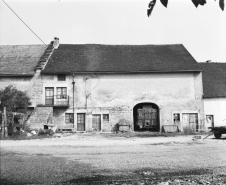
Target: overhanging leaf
x=195 y=2
x=221 y=4
x=202 y=2
x=151 y=6
x=198 y=2
x=164 y=2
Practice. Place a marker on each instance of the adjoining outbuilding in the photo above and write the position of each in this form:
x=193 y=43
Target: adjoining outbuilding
x=214 y=98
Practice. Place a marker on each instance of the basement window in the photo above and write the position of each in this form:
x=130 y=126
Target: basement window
x=69 y=118
x=61 y=77
x=105 y=117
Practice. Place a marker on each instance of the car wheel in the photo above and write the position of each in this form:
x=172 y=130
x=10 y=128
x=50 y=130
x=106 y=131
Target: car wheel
x=217 y=135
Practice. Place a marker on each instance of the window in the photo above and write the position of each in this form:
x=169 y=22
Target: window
x=105 y=117
x=210 y=120
x=61 y=77
x=69 y=118
x=176 y=118
x=61 y=93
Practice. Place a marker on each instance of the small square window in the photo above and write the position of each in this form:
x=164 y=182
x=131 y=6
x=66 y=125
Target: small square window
x=61 y=77
x=69 y=118
x=105 y=117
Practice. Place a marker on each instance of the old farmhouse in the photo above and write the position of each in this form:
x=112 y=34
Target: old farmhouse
x=92 y=87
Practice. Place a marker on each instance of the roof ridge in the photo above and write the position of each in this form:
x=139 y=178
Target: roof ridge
x=45 y=57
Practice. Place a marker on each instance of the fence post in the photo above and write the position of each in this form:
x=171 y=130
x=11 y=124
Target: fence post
x=5 y=123
x=2 y=125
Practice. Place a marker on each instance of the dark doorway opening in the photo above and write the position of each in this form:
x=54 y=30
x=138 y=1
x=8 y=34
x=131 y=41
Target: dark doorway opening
x=146 y=117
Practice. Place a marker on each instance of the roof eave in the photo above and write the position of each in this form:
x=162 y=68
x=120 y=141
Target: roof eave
x=210 y=97
x=119 y=72
x=15 y=75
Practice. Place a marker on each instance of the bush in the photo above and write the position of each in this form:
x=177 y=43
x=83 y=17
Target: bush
x=14 y=100
x=45 y=132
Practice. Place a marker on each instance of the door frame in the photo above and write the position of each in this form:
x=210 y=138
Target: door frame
x=99 y=126
x=84 y=123
x=52 y=88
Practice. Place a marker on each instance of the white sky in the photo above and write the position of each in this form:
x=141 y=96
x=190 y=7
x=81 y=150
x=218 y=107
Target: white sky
x=201 y=30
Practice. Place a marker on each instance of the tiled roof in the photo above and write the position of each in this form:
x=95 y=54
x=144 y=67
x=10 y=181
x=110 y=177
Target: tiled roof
x=214 y=79
x=20 y=59
x=95 y=58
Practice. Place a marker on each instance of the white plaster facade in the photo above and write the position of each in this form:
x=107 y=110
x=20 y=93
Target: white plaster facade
x=117 y=94
x=215 y=107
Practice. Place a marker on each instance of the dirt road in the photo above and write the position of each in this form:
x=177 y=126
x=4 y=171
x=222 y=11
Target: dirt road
x=96 y=159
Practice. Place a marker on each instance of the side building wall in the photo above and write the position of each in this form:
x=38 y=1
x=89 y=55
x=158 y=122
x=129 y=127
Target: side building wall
x=215 y=112
x=32 y=85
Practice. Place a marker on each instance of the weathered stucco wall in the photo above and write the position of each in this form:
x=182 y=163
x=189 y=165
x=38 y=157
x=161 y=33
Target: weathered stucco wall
x=21 y=83
x=117 y=94
x=217 y=108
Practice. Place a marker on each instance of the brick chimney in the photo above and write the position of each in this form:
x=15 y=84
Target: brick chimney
x=56 y=42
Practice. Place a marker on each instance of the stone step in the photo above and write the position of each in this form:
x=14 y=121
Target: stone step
x=38 y=121
x=44 y=112
x=41 y=114
x=39 y=117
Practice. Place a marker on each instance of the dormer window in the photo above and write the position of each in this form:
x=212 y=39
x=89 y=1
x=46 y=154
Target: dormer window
x=61 y=77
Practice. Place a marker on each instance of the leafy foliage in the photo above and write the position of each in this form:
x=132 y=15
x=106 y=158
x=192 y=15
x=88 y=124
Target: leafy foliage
x=13 y=99
x=195 y=2
x=151 y=6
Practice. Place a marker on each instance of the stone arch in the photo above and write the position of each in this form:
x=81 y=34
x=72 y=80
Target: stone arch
x=146 y=117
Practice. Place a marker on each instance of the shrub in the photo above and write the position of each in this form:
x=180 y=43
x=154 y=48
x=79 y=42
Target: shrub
x=45 y=132
x=14 y=100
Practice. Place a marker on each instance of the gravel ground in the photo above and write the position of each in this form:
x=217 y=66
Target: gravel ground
x=97 y=159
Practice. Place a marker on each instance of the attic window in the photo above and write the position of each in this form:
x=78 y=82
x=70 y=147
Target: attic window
x=61 y=77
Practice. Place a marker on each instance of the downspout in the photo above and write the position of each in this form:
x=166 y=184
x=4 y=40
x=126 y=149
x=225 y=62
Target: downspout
x=73 y=84
x=86 y=95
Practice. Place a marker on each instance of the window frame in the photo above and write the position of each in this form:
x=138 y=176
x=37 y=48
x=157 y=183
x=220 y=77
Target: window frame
x=62 y=94
x=108 y=117
x=68 y=117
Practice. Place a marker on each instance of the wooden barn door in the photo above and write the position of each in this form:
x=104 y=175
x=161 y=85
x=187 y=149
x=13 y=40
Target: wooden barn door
x=96 y=122
x=147 y=117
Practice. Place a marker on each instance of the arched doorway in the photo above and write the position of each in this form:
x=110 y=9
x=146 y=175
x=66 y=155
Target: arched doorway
x=146 y=117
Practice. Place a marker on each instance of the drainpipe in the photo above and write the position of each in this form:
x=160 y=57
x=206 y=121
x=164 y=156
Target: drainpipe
x=86 y=95
x=73 y=84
